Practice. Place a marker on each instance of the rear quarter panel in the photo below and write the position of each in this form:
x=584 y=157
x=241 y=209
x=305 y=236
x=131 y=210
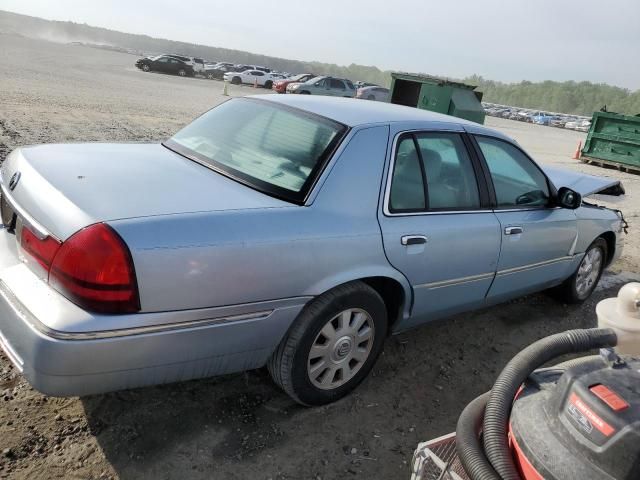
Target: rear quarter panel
x=233 y=257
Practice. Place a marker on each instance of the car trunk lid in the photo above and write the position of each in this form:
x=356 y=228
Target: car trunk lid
x=66 y=187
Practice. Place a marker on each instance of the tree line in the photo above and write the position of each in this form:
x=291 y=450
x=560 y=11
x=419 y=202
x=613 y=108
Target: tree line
x=581 y=98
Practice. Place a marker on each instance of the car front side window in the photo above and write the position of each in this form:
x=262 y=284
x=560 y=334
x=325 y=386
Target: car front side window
x=517 y=181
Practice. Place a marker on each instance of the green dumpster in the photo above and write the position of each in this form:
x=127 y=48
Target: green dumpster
x=614 y=139
x=438 y=95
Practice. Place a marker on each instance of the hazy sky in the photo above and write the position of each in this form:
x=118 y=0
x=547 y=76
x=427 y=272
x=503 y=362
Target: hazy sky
x=507 y=40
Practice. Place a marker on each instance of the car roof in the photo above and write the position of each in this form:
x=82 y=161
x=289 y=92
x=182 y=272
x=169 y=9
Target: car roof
x=354 y=112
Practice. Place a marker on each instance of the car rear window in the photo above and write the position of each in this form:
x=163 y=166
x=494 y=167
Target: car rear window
x=273 y=148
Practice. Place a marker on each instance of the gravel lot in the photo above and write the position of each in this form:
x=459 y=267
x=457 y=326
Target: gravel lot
x=241 y=426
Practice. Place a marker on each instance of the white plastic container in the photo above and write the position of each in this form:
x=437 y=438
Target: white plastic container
x=622 y=314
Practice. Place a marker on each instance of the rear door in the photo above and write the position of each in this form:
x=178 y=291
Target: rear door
x=337 y=88
x=537 y=237
x=161 y=64
x=437 y=225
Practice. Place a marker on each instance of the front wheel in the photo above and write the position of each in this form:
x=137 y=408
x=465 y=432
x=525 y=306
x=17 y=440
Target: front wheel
x=332 y=346
x=146 y=67
x=236 y=80
x=580 y=286
x=268 y=84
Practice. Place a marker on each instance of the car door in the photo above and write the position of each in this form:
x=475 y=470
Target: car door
x=537 y=237
x=257 y=75
x=174 y=65
x=161 y=64
x=338 y=88
x=321 y=87
x=437 y=225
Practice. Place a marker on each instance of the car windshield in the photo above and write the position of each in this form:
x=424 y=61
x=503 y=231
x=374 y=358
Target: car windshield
x=314 y=79
x=272 y=148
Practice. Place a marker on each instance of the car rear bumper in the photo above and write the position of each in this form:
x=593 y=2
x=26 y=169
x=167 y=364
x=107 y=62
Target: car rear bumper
x=79 y=358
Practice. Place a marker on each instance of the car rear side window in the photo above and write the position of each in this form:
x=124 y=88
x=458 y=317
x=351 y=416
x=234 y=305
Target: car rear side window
x=407 y=185
x=451 y=180
x=273 y=148
x=337 y=84
x=442 y=160
x=518 y=182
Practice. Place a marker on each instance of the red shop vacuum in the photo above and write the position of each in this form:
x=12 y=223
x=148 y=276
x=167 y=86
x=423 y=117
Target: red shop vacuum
x=577 y=420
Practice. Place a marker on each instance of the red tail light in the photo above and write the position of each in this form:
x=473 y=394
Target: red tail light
x=94 y=269
x=42 y=251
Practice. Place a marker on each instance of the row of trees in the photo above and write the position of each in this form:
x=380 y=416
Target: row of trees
x=566 y=97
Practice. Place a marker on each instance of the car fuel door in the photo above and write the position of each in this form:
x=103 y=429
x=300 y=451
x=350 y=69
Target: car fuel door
x=435 y=227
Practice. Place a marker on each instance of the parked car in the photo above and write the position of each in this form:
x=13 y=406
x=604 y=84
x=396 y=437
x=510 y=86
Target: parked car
x=259 y=235
x=360 y=84
x=217 y=73
x=281 y=85
x=165 y=64
x=542 y=118
x=196 y=63
x=380 y=94
x=243 y=68
x=251 y=77
x=335 y=87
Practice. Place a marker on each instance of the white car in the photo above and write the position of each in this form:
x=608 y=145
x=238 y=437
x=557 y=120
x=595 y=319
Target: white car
x=251 y=77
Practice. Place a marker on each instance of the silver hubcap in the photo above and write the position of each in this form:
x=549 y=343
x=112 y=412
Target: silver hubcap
x=340 y=349
x=588 y=271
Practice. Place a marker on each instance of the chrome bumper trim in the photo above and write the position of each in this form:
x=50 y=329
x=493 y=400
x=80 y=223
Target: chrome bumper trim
x=22 y=312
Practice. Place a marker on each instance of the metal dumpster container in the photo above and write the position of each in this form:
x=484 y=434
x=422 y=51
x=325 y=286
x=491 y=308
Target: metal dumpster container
x=613 y=139
x=438 y=95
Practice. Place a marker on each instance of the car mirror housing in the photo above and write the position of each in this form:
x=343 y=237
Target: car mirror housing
x=568 y=198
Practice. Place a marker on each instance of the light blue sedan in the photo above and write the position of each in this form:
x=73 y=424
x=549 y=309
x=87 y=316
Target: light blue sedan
x=291 y=231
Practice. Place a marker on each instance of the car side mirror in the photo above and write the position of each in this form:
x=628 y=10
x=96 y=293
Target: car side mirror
x=568 y=198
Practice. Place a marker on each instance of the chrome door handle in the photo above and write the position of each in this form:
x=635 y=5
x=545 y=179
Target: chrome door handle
x=513 y=230
x=413 y=239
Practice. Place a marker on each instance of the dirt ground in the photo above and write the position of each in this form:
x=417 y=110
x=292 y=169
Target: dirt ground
x=241 y=426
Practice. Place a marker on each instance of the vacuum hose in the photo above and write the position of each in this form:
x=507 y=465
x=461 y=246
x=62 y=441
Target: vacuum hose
x=468 y=445
x=495 y=461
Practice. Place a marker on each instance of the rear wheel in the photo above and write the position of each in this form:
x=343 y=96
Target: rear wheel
x=268 y=84
x=182 y=72
x=305 y=92
x=332 y=346
x=580 y=286
x=236 y=80
x=210 y=76
x=371 y=97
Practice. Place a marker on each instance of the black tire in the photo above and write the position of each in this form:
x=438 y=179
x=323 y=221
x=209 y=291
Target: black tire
x=146 y=68
x=268 y=84
x=568 y=291
x=305 y=92
x=288 y=365
x=236 y=80
x=371 y=97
